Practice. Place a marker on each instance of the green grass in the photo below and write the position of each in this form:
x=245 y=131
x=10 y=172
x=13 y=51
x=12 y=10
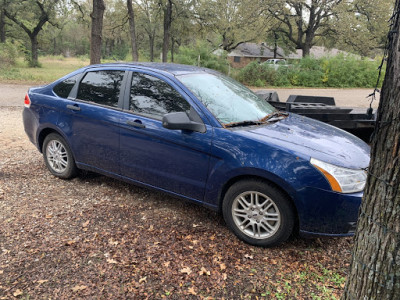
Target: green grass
x=53 y=67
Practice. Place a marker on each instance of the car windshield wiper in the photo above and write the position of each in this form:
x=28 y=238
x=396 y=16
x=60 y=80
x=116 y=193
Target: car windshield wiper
x=242 y=123
x=275 y=116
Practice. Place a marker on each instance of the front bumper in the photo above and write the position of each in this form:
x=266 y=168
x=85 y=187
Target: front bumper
x=327 y=213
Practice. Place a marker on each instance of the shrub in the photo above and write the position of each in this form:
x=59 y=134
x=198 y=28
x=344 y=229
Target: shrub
x=8 y=54
x=201 y=55
x=255 y=73
x=337 y=71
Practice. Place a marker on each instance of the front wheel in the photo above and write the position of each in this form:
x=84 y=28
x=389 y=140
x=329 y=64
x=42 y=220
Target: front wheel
x=258 y=213
x=58 y=157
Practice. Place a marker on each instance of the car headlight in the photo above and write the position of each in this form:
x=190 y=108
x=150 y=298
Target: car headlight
x=342 y=180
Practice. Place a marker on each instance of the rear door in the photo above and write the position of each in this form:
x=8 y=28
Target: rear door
x=91 y=119
x=174 y=160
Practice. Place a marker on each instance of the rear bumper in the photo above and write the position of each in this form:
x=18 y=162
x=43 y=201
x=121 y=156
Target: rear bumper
x=31 y=124
x=327 y=213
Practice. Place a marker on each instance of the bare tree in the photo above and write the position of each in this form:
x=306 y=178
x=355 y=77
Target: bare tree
x=304 y=20
x=131 y=17
x=96 y=33
x=375 y=265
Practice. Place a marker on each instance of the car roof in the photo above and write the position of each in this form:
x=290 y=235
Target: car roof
x=174 y=69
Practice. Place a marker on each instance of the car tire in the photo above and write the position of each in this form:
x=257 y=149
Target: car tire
x=58 y=157
x=258 y=213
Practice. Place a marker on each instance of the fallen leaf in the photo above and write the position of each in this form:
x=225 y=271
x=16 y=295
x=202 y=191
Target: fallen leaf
x=222 y=266
x=192 y=291
x=204 y=271
x=166 y=264
x=112 y=261
x=17 y=293
x=49 y=216
x=1 y=272
x=112 y=242
x=248 y=256
x=78 y=288
x=224 y=276
x=41 y=281
x=143 y=279
x=86 y=223
x=186 y=270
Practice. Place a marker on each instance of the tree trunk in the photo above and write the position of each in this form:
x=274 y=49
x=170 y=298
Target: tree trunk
x=167 y=29
x=2 y=26
x=34 y=51
x=96 y=33
x=151 y=46
x=131 y=17
x=172 y=49
x=375 y=265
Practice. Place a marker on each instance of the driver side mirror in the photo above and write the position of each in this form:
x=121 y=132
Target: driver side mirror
x=181 y=121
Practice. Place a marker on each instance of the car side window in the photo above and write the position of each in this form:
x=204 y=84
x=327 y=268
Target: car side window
x=101 y=87
x=64 y=88
x=153 y=97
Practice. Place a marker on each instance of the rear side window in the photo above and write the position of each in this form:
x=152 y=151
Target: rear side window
x=101 y=87
x=153 y=97
x=64 y=88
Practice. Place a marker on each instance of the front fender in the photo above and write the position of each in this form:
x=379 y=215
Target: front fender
x=236 y=156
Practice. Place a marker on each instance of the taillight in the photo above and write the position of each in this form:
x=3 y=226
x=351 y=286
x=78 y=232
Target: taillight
x=27 y=101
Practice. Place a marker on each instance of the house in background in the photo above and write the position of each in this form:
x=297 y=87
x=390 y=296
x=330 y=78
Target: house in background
x=245 y=53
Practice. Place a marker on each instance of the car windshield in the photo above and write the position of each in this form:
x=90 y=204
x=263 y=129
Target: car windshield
x=229 y=101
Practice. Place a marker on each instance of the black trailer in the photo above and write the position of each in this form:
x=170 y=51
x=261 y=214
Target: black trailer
x=358 y=121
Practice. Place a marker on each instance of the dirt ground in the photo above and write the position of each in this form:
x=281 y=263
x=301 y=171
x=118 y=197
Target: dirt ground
x=95 y=237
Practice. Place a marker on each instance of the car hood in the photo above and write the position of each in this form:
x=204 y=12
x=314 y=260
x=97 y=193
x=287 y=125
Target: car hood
x=311 y=138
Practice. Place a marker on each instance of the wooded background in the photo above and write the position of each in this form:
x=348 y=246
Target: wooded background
x=159 y=29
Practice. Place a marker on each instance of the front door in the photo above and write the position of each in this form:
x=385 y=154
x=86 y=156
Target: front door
x=173 y=160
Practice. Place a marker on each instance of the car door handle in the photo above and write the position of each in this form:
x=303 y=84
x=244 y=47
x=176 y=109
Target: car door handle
x=136 y=123
x=73 y=107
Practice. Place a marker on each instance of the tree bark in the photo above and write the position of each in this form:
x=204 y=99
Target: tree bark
x=34 y=49
x=151 y=46
x=172 y=49
x=2 y=26
x=375 y=265
x=306 y=50
x=167 y=29
x=131 y=17
x=96 y=33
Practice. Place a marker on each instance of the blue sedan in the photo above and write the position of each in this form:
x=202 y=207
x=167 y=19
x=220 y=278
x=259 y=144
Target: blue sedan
x=199 y=135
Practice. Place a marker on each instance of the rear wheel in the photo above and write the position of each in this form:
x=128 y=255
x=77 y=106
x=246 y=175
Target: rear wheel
x=258 y=213
x=58 y=157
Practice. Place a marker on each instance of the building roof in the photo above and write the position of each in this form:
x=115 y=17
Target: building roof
x=255 y=50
